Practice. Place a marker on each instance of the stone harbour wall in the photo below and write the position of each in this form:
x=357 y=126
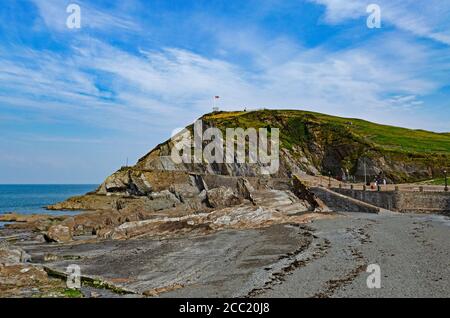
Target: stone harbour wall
x=402 y=201
x=343 y=203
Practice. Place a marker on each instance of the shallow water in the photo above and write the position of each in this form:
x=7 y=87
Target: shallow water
x=29 y=199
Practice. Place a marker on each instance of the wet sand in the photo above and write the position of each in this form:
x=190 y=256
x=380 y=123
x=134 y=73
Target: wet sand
x=413 y=252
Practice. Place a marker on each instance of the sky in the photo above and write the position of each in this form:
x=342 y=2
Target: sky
x=75 y=103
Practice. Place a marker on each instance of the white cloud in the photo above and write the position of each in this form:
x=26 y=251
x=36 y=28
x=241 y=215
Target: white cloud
x=104 y=85
x=137 y=96
x=176 y=85
x=405 y=102
x=340 y=10
x=427 y=19
x=54 y=15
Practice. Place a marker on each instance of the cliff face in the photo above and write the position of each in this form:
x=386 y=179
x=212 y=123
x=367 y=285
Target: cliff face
x=309 y=143
x=313 y=144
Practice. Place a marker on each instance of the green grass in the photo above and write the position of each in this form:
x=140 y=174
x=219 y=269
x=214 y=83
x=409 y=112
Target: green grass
x=72 y=293
x=294 y=124
x=437 y=181
x=390 y=137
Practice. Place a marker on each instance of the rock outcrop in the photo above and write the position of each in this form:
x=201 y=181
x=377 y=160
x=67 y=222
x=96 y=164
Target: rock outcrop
x=59 y=233
x=39 y=222
x=222 y=197
x=202 y=204
x=12 y=255
x=19 y=278
x=158 y=195
x=303 y=193
x=310 y=143
x=270 y=207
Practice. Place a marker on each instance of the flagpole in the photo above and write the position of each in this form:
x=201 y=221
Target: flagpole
x=215 y=108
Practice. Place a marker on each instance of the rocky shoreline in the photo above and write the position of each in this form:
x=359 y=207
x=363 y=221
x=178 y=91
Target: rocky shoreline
x=224 y=230
x=319 y=255
x=185 y=210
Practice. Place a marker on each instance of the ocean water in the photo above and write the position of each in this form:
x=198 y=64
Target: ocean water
x=29 y=199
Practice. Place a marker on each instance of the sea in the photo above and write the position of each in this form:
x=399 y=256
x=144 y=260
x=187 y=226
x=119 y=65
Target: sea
x=32 y=199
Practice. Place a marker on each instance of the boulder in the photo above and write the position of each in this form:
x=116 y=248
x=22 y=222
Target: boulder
x=166 y=226
x=245 y=189
x=303 y=193
x=59 y=233
x=222 y=197
x=39 y=222
x=26 y=280
x=12 y=255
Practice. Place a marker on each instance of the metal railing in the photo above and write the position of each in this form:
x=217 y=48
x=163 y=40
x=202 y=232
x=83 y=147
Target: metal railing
x=390 y=187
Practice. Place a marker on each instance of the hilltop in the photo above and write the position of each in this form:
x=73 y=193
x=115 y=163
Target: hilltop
x=317 y=144
x=296 y=124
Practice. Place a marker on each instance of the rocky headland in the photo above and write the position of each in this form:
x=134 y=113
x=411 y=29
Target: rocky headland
x=229 y=217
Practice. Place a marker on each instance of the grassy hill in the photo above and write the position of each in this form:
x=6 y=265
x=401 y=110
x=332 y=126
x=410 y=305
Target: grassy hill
x=311 y=143
x=335 y=143
x=384 y=137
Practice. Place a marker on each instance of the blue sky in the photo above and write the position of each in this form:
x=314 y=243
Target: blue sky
x=75 y=103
